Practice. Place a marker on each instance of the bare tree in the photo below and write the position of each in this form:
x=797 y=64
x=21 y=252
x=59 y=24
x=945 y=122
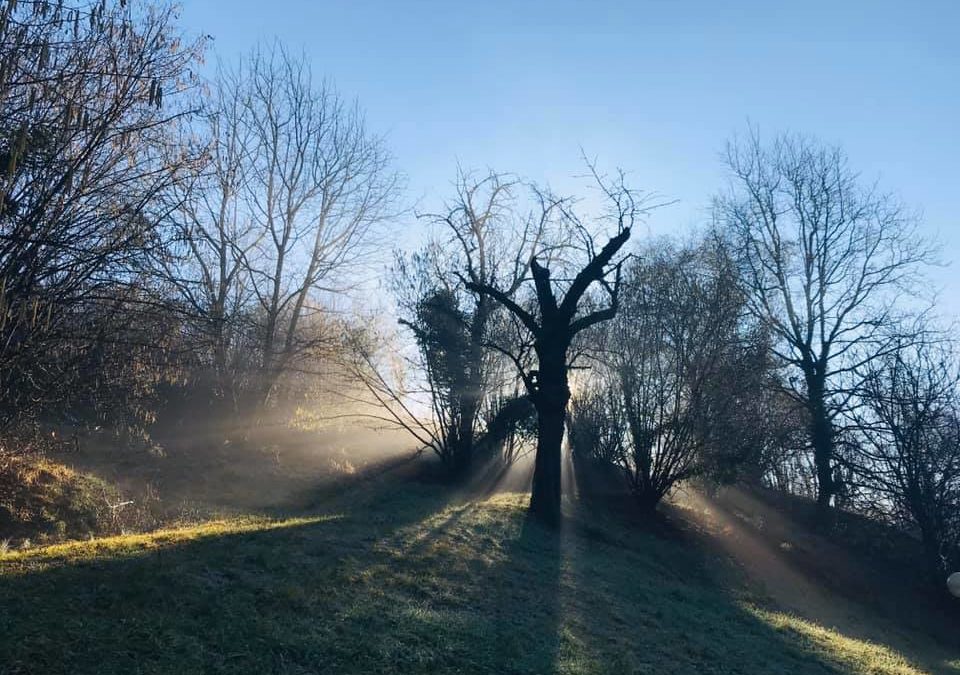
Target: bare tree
x=456 y=398
x=676 y=356
x=319 y=183
x=89 y=96
x=597 y=428
x=213 y=236
x=824 y=261
x=907 y=454
x=290 y=212
x=555 y=312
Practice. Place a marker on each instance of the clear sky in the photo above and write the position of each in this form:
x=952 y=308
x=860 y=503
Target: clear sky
x=654 y=87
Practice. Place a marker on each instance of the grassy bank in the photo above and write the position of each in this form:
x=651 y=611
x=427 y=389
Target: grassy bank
x=403 y=580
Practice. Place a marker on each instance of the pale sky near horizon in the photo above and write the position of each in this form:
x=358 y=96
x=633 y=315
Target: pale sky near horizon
x=654 y=87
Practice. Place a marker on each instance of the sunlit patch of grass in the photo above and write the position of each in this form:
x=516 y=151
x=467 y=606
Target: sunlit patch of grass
x=857 y=656
x=125 y=545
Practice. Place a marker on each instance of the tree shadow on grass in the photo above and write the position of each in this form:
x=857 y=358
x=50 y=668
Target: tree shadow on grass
x=474 y=588
x=822 y=581
x=523 y=606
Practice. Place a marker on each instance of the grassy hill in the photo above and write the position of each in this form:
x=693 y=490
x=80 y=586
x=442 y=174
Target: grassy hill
x=401 y=576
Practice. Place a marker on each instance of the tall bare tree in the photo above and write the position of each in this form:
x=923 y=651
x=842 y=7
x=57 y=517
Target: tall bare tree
x=213 y=235
x=299 y=186
x=318 y=185
x=824 y=260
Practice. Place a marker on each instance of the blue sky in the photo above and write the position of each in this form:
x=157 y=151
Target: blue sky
x=654 y=87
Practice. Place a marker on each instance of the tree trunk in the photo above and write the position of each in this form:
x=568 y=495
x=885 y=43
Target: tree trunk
x=545 y=496
x=647 y=502
x=466 y=441
x=821 y=437
x=553 y=394
x=462 y=459
x=930 y=542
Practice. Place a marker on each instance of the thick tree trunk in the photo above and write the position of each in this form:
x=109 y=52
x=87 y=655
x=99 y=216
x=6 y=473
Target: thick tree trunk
x=822 y=454
x=647 y=502
x=545 y=496
x=551 y=400
x=463 y=461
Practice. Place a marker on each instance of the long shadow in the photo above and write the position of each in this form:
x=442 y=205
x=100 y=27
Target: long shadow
x=524 y=608
x=399 y=582
x=827 y=584
x=383 y=588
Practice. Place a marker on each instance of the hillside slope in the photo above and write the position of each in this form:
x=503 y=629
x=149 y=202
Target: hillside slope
x=400 y=576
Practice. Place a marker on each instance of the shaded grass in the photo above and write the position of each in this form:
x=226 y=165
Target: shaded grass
x=400 y=580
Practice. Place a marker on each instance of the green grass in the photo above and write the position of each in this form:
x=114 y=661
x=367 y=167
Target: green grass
x=401 y=581
x=859 y=656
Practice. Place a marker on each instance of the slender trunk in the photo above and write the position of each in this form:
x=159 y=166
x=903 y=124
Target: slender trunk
x=224 y=381
x=821 y=438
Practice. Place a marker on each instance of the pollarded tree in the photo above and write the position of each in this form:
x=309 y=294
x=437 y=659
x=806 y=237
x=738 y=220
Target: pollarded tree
x=557 y=308
x=824 y=261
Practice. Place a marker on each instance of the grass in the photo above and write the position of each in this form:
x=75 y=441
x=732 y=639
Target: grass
x=28 y=561
x=401 y=580
x=44 y=499
x=856 y=655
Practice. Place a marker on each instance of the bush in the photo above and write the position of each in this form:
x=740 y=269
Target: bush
x=596 y=427
x=45 y=501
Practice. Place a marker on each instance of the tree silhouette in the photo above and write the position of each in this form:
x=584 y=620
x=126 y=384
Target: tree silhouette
x=558 y=317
